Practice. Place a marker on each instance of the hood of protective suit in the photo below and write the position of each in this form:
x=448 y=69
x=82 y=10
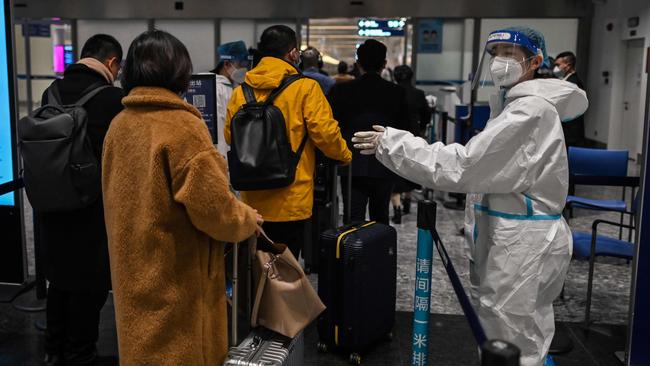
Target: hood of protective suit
x=268 y=74
x=569 y=100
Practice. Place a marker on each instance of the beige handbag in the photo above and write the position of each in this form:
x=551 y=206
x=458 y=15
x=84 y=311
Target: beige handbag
x=285 y=301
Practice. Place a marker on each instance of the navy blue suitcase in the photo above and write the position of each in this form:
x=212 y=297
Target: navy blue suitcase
x=357 y=283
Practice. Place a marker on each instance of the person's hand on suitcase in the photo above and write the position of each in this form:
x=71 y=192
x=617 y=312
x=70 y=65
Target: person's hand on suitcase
x=367 y=141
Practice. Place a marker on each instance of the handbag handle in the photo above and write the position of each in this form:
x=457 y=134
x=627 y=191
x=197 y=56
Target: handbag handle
x=269 y=246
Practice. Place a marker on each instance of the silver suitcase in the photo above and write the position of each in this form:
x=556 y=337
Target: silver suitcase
x=263 y=347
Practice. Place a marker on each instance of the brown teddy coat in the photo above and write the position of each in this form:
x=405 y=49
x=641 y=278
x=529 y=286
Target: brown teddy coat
x=167 y=203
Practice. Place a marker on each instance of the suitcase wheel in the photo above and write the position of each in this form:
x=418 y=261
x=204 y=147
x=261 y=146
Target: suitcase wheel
x=355 y=359
x=322 y=347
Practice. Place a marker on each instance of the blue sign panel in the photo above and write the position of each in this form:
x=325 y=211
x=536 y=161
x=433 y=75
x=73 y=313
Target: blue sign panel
x=202 y=94
x=37 y=30
x=6 y=156
x=430 y=36
x=381 y=27
x=69 y=55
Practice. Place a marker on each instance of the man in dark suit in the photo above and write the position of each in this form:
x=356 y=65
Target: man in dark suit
x=357 y=105
x=74 y=242
x=565 y=69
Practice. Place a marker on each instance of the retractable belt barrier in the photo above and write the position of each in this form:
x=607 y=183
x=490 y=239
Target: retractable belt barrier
x=493 y=352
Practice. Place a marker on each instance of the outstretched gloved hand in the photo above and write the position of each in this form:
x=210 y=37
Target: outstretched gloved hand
x=367 y=141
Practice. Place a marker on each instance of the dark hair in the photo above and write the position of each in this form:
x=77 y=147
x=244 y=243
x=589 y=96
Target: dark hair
x=102 y=47
x=156 y=58
x=217 y=70
x=403 y=74
x=569 y=56
x=310 y=57
x=277 y=41
x=343 y=67
x=372 y=55
x=256 y=55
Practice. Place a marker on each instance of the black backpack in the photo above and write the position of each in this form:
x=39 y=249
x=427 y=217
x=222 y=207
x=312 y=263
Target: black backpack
x=260 y=155
x=61 y=171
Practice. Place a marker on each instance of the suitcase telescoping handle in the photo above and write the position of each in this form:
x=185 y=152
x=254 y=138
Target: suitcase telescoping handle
x=493 y=352
x=347 y=195
x=235 y=294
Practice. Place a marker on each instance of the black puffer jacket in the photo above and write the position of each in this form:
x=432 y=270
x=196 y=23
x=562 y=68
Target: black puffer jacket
x=358 y=105
x=74 y=242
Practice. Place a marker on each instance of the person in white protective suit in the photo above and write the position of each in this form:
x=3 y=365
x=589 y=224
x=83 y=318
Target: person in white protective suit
x=234 y=62
x=516 y=175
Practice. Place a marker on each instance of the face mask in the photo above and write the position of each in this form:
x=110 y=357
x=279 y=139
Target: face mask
x=238 y=75
x=505 y=71
x=559 y=73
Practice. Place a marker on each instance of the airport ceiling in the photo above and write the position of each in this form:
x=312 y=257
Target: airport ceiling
x=288 y=9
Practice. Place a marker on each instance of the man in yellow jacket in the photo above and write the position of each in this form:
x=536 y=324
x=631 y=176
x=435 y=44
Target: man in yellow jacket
x=287 y=209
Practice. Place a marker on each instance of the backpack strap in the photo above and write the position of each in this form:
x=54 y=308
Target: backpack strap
x=274 y=94
x=248 y=93
x=302 y=144
x=283 y=85
x=90 y=92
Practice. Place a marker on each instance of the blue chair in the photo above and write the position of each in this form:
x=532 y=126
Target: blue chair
x=591 y=245
x=597 y=162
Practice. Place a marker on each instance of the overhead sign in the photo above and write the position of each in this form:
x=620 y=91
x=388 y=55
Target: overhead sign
x=381 y=27
x=37 y=30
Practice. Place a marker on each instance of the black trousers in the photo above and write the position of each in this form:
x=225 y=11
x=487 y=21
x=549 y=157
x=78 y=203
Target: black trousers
x=72 y=325
x=371 y=193
x=291 y=233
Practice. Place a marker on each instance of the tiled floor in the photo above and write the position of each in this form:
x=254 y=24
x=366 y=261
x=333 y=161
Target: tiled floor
x=21 y=344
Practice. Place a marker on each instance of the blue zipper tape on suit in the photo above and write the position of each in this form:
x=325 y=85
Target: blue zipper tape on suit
x=510 y=216
x=529 y=206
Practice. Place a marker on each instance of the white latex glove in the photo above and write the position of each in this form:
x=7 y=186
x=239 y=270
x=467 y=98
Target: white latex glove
x=367 y=141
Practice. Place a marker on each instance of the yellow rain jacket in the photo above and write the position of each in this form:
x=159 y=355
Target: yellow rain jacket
x=302 y=102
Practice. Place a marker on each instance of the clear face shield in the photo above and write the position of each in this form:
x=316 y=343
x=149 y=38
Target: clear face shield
x=238 y=67
x=505 y=61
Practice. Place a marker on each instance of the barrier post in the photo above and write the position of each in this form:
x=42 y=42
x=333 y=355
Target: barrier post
x=443 y=128
x=421 y=301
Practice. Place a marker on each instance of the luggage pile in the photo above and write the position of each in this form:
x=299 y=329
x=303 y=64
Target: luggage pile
x=357 y=269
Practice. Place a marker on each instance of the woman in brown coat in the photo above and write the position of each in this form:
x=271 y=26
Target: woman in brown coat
x=167 y=206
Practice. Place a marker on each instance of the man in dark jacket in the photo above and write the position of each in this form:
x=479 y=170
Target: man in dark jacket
x=74 y=242
x=357 y=105
x=565 y=69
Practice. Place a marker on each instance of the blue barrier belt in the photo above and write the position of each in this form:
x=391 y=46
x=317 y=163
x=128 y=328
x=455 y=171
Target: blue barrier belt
x=465 y=304
x=510 y=216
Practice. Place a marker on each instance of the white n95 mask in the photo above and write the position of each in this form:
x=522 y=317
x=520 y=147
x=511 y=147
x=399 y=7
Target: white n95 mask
x=505 y=71
x=239 y=75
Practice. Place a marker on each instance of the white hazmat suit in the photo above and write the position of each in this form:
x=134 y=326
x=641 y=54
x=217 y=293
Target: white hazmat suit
x=516 y=175
x=224 y=90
